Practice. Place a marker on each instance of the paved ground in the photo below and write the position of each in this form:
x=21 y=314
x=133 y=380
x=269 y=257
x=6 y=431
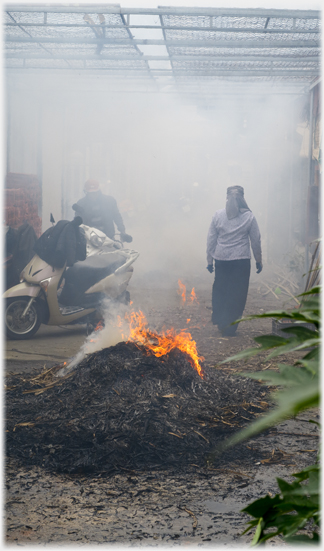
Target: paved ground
x=50 y=344
x=154 y=508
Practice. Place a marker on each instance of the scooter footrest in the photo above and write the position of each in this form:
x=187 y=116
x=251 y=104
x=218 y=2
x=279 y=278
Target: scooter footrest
x=67 y=310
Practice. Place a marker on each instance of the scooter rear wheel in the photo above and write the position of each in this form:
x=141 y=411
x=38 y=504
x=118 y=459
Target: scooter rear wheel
x=18 y=327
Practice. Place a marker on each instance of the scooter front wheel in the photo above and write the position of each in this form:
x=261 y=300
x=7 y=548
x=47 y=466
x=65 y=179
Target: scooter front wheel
x=18 y=325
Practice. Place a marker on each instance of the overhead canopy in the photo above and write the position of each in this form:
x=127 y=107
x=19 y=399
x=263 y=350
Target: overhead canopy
x=189 y=49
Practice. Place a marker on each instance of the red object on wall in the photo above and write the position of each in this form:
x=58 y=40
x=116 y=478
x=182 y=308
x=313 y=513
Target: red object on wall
x=22 y=198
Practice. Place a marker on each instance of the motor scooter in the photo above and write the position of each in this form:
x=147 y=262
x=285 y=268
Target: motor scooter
x=62 y=296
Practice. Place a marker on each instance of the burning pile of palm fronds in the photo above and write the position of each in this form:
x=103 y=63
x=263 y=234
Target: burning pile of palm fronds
x=123 y=407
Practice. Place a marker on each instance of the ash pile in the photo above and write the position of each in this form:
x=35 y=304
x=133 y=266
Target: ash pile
x=123 y=408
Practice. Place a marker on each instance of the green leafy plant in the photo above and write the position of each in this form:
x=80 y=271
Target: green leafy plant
x=300 y=382
x=297 y=504
x=288 y=512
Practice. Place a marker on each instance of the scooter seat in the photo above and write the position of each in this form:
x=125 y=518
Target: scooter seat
x=82 y=275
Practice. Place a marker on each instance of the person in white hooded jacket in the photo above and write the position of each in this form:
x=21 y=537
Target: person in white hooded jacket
x=232 y=233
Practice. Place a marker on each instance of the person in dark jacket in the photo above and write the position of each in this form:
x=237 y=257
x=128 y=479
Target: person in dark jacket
x=100 y=211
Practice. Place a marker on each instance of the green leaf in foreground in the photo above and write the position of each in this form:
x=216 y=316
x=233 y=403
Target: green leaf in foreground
x=289 y=375
x=298 y=505
x=289 y=511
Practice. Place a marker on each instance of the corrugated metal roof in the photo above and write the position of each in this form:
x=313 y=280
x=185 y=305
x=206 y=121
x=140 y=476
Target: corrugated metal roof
x=180 y=44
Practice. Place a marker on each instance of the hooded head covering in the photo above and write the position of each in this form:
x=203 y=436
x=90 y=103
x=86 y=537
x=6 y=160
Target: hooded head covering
x=235 y=202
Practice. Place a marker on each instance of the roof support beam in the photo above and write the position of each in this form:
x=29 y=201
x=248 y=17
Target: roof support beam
x=206 y=58
x=106 y=8
x=170 y=28
x=247 y=73
x=198 y=73
x=179 y=43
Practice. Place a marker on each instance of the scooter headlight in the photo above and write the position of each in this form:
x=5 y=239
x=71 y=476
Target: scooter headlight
x=45 y=283
x=22 y=276
x=96 y=240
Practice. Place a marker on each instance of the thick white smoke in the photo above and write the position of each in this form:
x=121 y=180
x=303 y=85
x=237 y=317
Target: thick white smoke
x=113 y=331
x=167 y=158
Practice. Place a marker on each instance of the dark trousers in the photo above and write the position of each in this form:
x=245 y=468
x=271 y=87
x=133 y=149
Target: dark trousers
x=230 y=291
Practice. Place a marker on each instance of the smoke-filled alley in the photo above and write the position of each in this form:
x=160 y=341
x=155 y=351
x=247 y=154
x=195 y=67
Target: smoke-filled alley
x=144 y=145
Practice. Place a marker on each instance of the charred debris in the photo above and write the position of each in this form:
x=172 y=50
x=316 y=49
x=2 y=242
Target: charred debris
x=123 y=408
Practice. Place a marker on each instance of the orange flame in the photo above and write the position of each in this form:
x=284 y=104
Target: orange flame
x=188 y=320
x=182 y=290
x=193 y=296
x=99 y=326
x=162 y=344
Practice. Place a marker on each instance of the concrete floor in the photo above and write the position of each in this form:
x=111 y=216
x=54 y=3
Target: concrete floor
x=51 y=344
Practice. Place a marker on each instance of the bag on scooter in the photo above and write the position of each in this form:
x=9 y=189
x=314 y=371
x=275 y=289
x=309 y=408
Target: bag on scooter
x=62 y=243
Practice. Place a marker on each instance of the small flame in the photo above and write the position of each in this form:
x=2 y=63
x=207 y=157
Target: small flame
x=159 y=345
x=182 y=290
x=188 y=320
x=193 y=296
x=99 y=326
